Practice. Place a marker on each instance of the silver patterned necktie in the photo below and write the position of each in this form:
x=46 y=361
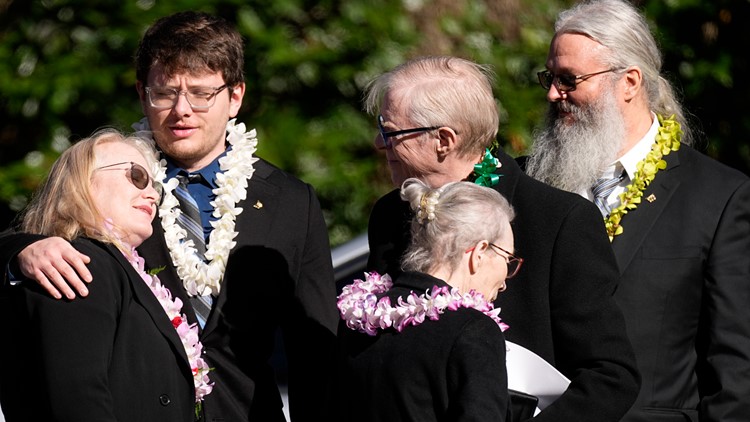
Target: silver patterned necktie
x=602 y=189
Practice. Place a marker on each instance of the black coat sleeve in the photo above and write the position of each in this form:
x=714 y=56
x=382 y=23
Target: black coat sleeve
x=588 y=329
x=68 y=345
x=11 y=244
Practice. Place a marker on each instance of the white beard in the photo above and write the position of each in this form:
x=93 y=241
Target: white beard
x=572 y=155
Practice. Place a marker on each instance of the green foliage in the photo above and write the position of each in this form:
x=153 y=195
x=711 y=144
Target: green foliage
x=66 y=70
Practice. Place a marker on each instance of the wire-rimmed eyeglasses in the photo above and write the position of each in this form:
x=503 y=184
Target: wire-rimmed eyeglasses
x=566 y=82
x=514 y=262
x=136 y=174
x=199 y=98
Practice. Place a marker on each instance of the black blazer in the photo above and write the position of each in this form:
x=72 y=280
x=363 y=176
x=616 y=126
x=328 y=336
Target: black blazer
x=113 y=356
x=684 y=256
x=560 y=305
x=279 y=276
x=452 y=369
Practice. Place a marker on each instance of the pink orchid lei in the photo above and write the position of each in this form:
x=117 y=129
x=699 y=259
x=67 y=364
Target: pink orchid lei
x=188 y=333
x=364 y=312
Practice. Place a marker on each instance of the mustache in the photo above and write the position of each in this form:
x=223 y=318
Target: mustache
x=571 y=150
x=563 y=107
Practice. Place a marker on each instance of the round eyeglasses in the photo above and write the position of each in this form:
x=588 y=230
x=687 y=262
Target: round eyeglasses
x=200 y=98
x=566 y=82
x=136 y=174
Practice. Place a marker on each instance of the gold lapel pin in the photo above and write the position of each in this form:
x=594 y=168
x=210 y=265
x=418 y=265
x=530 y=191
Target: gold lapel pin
x=651 y=198
x=258 y=205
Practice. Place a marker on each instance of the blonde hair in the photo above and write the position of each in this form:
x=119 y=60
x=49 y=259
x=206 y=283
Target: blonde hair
x=63 y=204
x=450 y=219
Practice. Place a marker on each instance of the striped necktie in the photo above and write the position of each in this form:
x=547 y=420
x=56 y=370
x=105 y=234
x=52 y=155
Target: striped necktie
x=602 y=189
x=190 y=216
x=190 y=220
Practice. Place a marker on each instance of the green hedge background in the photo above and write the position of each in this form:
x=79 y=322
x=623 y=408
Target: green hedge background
x=66 y=70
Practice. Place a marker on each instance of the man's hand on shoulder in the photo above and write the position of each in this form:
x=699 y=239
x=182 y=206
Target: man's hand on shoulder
x=57 y=266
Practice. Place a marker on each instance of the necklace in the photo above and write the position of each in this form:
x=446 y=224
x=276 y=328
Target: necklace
x=188 y=333
x=364 y=312
x=204 y=277
x=667 y=140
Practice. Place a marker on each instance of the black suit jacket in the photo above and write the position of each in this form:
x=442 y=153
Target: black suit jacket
x=560 y=305
x=684 y=256
x=452 y=369
x=278 y=276
x=113 y=356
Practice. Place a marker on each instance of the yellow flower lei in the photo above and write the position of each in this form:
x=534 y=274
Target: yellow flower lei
x=667 y=140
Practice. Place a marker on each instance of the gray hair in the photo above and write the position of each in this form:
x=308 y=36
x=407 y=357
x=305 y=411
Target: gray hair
x=618 y=26
x=450 y=219
x=443 y=91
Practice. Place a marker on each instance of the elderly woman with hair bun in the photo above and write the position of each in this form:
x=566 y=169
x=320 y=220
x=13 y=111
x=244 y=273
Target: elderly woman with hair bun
x=429 y=346
x=125 y=352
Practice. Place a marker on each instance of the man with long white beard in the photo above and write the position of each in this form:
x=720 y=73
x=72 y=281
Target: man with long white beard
x=568 y=152
x=678 y=221
x=561 y=306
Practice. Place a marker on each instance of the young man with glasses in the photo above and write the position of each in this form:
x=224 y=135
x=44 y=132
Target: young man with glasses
x=678 y=221
x=241 y=275
x=560 y=303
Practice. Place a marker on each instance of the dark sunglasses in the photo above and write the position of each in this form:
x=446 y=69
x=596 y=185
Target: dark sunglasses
x=566 y=82
x=137 y=175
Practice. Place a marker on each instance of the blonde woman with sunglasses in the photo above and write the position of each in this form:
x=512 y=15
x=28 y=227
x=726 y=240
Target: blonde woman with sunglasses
x=115 y=355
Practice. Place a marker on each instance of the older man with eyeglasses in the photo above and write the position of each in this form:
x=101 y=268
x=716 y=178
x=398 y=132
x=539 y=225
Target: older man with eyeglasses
x=437 y=116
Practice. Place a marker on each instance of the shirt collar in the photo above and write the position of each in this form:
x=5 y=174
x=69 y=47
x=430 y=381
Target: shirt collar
x=630 y=160
x=208 y=172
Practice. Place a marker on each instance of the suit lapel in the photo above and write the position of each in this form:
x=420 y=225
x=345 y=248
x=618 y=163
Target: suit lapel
x=637 y=223
x=154 y=250
x=143 y=295
x=254 y=224
x=510 y=172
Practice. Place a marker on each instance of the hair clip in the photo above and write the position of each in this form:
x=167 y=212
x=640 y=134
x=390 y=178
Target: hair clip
x=426 y=208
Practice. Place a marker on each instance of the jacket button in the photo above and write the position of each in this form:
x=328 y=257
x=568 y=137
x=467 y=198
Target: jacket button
x=164 y=400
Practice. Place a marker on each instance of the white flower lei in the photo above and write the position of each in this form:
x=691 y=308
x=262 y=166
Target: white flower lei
x=188 y=333
x=203 y=278
x=362 y=311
